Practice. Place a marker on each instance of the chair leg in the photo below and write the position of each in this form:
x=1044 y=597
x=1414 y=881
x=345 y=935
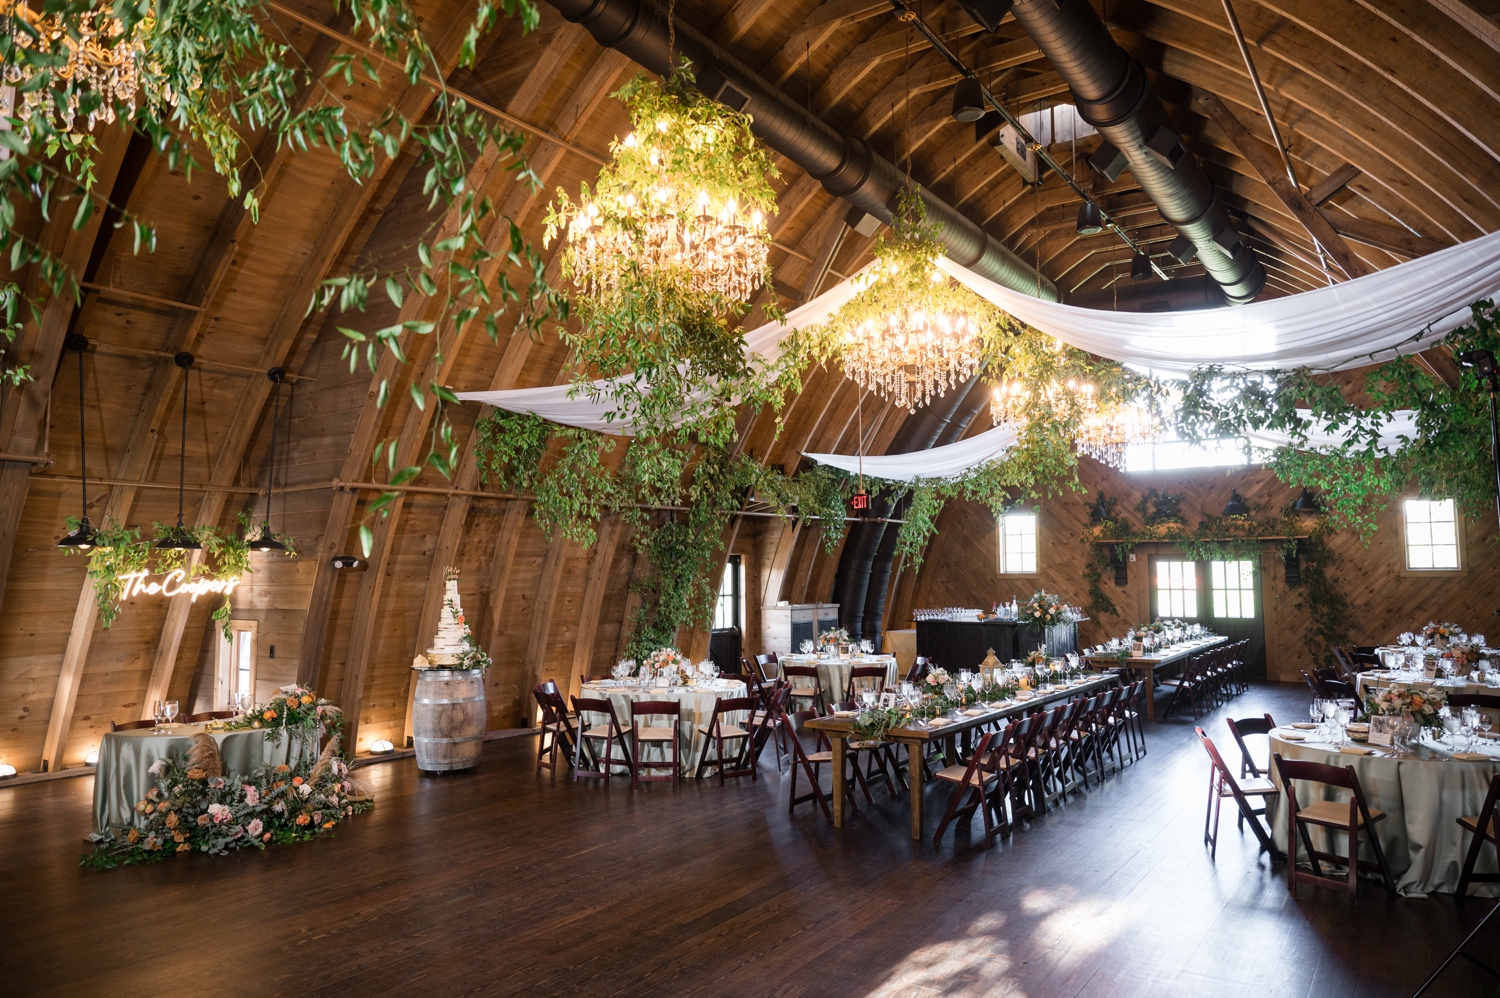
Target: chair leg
x=1469 y=862
x=1354 y=863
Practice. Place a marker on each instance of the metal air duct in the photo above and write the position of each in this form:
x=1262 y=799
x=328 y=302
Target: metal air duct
x=1112 y=94
x=846 y=166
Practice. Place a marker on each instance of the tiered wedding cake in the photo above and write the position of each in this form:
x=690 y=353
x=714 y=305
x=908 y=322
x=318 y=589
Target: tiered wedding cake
x=449 y=645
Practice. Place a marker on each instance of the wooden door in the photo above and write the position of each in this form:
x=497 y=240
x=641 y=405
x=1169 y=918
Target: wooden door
x=1224 y=596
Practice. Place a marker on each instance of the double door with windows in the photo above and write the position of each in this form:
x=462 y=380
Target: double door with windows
x=1224 y=596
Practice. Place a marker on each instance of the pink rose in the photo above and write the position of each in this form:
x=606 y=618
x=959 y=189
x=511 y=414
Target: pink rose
x=255 y=828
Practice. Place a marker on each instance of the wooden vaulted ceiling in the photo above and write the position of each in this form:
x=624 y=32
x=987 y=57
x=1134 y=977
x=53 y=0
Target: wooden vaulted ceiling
x=1393 y=99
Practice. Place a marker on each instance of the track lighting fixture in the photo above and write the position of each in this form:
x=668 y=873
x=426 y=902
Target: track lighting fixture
x=1090 y=219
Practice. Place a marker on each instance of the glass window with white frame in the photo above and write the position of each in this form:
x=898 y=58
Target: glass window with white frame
x=1176 y=589
x=1431 y=531
x=236 y=665
x=727 y=611
x=1018 y=542
x=1233 y=585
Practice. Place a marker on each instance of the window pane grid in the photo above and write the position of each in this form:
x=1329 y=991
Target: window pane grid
x=1431 y=533
x=1176 y=589
x=727 y=607
x=1233 y=584
x=1018 y=543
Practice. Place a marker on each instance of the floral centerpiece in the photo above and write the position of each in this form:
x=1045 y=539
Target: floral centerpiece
x=1464 y=655
x=938 y=678
x=293 y=708
x=831 y=639
x=195 y=808
x=1036 y=658
x=668 y=663
x=1423 y=706
x=1441 y=634
x=1046 y=608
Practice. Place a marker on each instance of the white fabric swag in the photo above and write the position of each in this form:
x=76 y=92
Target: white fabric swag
x=1345 y=325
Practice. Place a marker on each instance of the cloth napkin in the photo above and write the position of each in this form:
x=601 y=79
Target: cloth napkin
x=1355 y=750
x=1473 y=757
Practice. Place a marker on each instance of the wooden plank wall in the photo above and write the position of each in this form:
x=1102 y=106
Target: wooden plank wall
x=962 y=566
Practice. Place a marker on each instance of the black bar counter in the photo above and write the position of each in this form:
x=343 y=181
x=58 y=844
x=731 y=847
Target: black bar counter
x=962 y=644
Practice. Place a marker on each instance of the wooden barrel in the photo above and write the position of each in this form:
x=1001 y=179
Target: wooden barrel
x=448 y=719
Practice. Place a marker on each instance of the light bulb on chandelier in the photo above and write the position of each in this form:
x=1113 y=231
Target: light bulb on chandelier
x=912 y=355
x=1103 y=434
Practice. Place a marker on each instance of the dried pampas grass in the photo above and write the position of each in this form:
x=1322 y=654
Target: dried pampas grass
x=330 y=752
x=204 y=755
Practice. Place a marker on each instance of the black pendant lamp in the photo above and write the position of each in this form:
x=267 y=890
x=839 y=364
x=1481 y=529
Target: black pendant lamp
x=267 y=541
x=1100 y=512
x=1307 y=505
x=968 y=100
x=178 y=538
x=1140 y=267
x=1236 y=504
x=85 y=537
x=1090 y=219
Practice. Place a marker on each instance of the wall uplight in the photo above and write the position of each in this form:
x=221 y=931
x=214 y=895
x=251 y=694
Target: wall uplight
x=92 y=759
x=6 y=771
x=381 y=746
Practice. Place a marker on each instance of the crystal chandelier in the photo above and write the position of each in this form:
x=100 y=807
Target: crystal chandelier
x=99 y=60
x=1103 y=433
x=911 y=355
x=684 y=197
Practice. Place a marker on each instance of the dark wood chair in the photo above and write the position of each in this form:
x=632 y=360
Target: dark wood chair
x=1483 y=701
x=1337 y=689
x=1221 y=784
x=801 y=760
x=557 y=735
x=719 y=730
x=131 y=725
x=920 y=666
x=1485 y=827
x=1351 y=818
x=770 y=723
x=810 y=687
x=210 y=715
x=980 y=779
x=766 y=665
x=864 y=677
x=649 y=734
x=610 y=733
x=1250 y=726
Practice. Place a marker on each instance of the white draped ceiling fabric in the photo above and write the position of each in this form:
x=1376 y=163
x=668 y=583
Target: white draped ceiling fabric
x=1345 y=325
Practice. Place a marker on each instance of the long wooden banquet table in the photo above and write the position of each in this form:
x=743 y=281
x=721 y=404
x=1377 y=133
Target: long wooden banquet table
x=1147 y=666
x=917 y=738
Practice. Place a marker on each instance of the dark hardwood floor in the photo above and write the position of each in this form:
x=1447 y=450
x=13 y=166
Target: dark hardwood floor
x=502 y=883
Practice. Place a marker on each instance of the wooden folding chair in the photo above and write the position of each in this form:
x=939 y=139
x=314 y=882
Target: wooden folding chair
x=1485 y=827
x=649 y=734
x=794 y=723
x=1352 y=818
x=1221 y=784
x=806 y=685
x=1250 y=726
x=609 y=732
x=975 y=779
x=864 y=677
x=557 y=733
x=718 y=730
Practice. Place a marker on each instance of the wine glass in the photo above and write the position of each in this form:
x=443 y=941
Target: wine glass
x=1341 y=718
x=1315 y=710
x=170 y=709
x=1451 y=727
x=1486 y=723
x=712 y=670
x=158 y=714
x=867 y=697
x=807 y=647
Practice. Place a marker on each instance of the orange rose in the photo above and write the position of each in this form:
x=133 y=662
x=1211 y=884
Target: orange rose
x=172 y=820
x=327 y=824
x=303 y=819
x=296 y=781
x=283 y=768
x=266 y=837
x=196 y=774
x=307 y=698
x=1416 y=701
x=178 y=837
x=269 y=715
x=132 y=836
x=184 y=847
x=278 y=784
x=204 y=819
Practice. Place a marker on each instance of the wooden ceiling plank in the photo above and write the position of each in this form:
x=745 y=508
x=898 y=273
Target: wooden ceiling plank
x=1386 y=237
x=1330 y=185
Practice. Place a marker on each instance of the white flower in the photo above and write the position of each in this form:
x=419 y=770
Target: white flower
x=305 y=789
x=219 y=813
x=255 y=828
x=158 y=767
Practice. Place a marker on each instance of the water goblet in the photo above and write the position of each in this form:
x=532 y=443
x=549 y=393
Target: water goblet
x=1451 y=727
x=158 y=715
x=170 y=709
x=867 y=697
x=807 y=647
x=1341 y=718
x=712 y=669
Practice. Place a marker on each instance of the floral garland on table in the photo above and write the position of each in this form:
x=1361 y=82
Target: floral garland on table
x=1441 y=632
x=292 y=708
x=833 y=638
x=1423 y=706
x=1046 y=609
x=190 y=810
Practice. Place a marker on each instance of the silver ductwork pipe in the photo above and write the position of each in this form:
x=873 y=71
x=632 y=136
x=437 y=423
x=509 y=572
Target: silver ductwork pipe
x=1112 y=94
x=846 y=166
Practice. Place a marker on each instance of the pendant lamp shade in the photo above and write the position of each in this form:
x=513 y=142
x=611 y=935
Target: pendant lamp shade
x=179 y=538
x=1307 y=505
x=84 y=538
x=1100 y=512
x=1236 y=504
x=968 y=100
x=267 y=541
x=1090 y=219
x=1140 y=267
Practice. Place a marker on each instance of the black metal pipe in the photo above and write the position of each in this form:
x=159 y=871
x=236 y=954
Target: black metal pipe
x=1111 y=93
x=845 y=165
x=1183 y=294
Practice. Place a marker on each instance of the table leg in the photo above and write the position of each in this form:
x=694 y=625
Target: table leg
x=914 y=768
x=1150 y=676
x=840 y=751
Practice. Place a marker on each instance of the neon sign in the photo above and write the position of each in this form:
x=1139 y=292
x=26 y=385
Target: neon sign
x=175 y=583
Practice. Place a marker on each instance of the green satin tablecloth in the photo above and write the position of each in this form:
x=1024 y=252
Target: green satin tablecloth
x=697 y=708
x=125 y=758
x=1423 y=794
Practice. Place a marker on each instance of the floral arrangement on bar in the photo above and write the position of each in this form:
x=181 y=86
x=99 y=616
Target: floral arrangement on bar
x=1422 y=706
x=938 y=678
x=830 y=640
x=1046 y=609
x=1441 y=634
x=665 y=661
x=1464 y=654
x=292 y=708
x=194 y=807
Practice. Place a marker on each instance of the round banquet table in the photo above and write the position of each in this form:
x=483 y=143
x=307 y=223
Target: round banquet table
x=125 y=758
x=1423 y=794
x=697 y=709
x=833 y=673
x=1378 y=678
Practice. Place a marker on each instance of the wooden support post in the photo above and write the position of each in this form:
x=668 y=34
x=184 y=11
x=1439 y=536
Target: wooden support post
x=593 y=594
